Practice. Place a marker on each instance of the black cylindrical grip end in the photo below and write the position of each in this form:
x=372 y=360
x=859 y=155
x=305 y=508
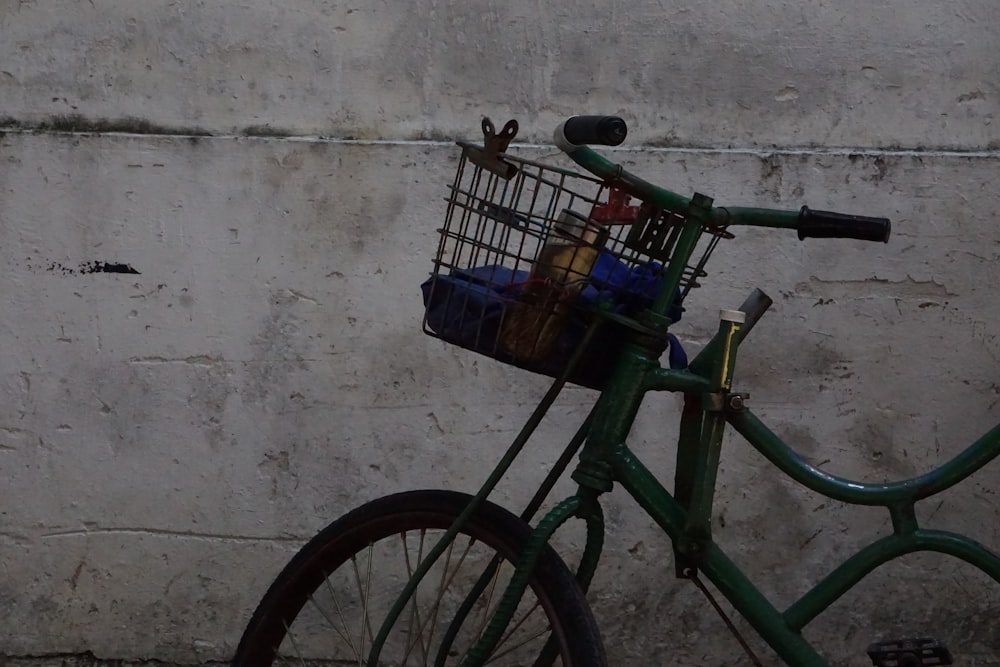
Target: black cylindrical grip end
x=601 y=130
x=831 y=225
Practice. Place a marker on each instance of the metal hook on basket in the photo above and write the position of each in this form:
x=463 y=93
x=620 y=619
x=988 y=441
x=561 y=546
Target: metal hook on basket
x=494 y=144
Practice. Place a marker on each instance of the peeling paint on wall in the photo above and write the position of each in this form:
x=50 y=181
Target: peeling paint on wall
x=91 y=267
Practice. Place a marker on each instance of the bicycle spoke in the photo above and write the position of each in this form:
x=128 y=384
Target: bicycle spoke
x=364 y=611
x=295 y=646
x=488 y=602
x=515 y=626
x=489 y=610
x=328 y=606
x=432 y=619
x=332 y=624
x=418 y=635
x=363 y=595
x=343 y=620
x=415 y=609
x=525 y=642
x=530 y=638
x=442 y=587
x=420 y=627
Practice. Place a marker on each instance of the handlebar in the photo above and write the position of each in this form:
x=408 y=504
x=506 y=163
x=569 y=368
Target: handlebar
x=828 y=224
x=572 y=135
x=580 y=130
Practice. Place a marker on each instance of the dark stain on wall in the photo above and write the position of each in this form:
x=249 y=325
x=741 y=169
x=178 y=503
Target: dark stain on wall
x=92 y=267
x=76 y=123
x=79 y=124
x=265 y=131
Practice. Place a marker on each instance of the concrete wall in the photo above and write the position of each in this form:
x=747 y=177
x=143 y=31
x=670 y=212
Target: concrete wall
x=169 y=437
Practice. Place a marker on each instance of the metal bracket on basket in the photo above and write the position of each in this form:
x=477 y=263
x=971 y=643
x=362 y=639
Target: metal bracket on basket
x=494 y=144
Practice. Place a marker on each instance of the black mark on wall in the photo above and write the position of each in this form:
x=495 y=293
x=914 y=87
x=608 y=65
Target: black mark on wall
x=80 y=124
x=266 y=131
x=76 y=123
x=92 y=267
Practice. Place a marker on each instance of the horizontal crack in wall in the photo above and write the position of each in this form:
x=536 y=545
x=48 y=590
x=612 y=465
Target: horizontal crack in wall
x=88 y=659
x=79 y=124
x=175 y=534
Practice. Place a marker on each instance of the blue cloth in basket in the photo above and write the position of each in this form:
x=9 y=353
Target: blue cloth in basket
x=467 y=306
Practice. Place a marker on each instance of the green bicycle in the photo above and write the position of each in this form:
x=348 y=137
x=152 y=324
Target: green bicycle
x=579 y=277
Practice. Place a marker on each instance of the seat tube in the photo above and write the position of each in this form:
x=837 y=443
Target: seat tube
x=698 y=524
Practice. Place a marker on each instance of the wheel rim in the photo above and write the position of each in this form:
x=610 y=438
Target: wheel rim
x=340 y=617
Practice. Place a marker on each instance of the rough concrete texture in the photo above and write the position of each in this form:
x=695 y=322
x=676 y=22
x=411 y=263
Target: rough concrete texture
x=767 y=72
x=169 y=437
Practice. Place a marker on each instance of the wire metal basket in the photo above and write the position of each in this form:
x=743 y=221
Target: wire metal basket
x=529 y=251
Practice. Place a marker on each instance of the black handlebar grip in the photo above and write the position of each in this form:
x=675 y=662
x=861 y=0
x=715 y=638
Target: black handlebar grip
x=602 y=130
x=830 y=225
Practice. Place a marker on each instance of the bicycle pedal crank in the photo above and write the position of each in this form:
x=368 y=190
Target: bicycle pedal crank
x=909 y=653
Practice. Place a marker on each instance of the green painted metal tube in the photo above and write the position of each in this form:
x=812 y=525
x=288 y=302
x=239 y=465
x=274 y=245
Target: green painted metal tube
x=594 y=516
x=758 y=610
x=754 y=307
x=757 y=217
x=648 y=492
x=978 y=454
x=607 y=170
x=856 y=567
x=675 y=271
x=519 y=581
x=706 y=468
x=721 y=571
x=494 y=478
x=666 y=379
x=618 y=405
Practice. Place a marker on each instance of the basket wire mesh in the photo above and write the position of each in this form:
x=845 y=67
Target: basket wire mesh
x=530 y=250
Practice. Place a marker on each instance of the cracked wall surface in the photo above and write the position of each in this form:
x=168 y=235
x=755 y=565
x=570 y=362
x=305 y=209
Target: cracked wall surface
x=214 y=220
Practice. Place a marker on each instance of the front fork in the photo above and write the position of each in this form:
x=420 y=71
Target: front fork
x=583 y=505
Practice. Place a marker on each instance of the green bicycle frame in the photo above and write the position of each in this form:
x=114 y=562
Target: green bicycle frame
x=709 y=406
x=685 y=515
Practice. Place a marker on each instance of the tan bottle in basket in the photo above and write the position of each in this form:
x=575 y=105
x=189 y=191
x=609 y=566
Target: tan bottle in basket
x=532 y=326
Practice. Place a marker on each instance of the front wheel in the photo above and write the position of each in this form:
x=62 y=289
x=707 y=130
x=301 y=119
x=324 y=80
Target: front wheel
x=327 y=605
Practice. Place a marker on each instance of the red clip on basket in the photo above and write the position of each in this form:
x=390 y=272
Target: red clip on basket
x=529 y=251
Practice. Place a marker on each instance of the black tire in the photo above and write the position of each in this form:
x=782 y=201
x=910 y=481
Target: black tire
x=335 y=572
